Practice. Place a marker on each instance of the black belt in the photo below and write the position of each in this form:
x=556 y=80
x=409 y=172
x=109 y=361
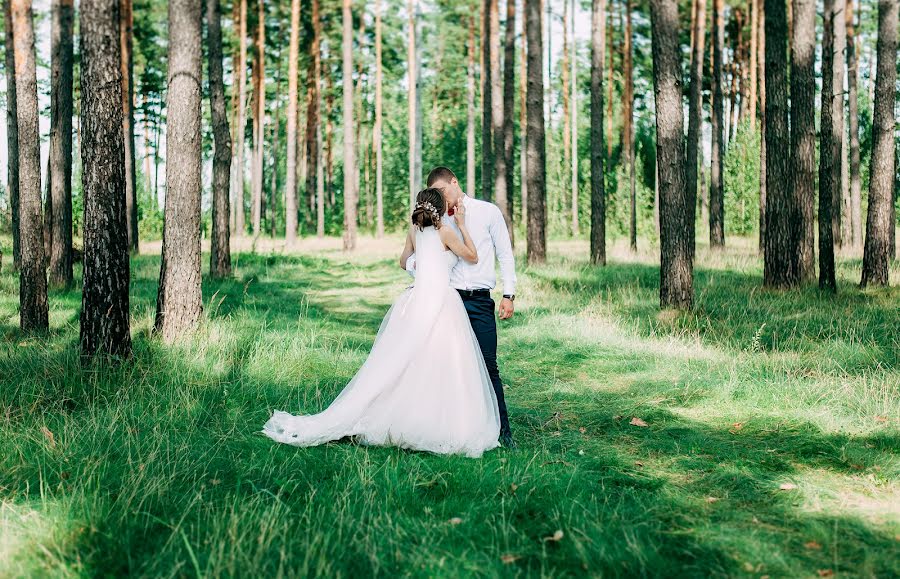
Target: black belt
x=474 y=293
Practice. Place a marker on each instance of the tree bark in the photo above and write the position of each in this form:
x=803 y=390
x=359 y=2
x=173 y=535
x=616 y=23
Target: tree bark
x=564 y=68
x=220 y=250
x=235 y=95
x=509 y=95
x=754 y=63
x=628 y=124
x=781 y=268
x=536 y=159
x=761 y=63
x=717 y=122
x=126 y=36
x=290 y=205
x=349 y=163
x=676 y=286
x=179 y=302
x=33 y=308
x=240 y=218
x=470 y=111
x=259 y=125
x=498 y=191
x=411 y=98
x=60 y=160
x=695 y=115
x=487 y=108
x=105 y=327
x=877 y=250
x=574 y=64
x=837 y=105
x=803 y=128
x=598 y=194
x=829 y=151
x=379 y=163
x=270 y=210
x=523 y=119
x=853 y=117
x=12 y=135
x=314 y=122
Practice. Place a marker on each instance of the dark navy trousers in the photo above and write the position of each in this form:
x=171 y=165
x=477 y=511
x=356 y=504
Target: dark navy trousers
x=481 y=314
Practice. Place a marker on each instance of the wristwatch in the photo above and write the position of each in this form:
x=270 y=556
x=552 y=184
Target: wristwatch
x=510 y=297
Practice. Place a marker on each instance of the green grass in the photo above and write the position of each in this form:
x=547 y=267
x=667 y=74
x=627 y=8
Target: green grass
x=155 y=467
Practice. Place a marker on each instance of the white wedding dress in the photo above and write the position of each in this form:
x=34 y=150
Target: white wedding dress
x=424 y=385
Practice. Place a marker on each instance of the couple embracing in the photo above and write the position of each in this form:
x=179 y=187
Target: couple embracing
x=431 y=381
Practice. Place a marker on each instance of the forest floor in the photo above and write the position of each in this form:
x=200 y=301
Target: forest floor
x=755 y=436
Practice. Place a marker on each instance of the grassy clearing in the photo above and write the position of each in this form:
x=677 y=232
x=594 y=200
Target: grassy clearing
x=154 y=468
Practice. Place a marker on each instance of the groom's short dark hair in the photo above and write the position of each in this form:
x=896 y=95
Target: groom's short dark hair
x=440 y=173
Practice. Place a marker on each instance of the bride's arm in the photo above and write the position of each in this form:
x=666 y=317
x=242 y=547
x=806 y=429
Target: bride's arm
x=464 y=248
x=409 y=248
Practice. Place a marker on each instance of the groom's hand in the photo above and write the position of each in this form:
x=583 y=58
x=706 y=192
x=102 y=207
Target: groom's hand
x=507 y=309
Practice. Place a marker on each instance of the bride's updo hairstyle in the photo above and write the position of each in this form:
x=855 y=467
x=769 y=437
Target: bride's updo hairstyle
x=428 y=209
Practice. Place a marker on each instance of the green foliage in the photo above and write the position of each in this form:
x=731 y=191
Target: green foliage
x=742 y=182
x=155 y=467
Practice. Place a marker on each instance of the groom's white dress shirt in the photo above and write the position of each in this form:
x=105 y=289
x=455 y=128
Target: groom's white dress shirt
x=491 y=238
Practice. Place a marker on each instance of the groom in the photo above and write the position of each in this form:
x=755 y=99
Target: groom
x=474 y=282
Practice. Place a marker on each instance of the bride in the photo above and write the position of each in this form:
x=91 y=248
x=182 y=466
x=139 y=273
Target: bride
x=424 y=385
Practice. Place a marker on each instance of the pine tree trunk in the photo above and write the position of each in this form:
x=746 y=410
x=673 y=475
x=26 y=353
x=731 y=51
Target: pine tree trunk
x=487 y=108
x=754 y=63
x=761 y=63
x=329 y=137
x=126 y=36
x=877 y=250
x=695 y=115
x=564 y=97
x=271 y=209
x=498 y=191
x=240 y=218
x=838 y=126
x=523 y=120
x=411 y=99
x=33 y=308
x=676 y=286
x=179 y=302
x=470 y=112
x=782 y=238
x=610 y=34
x=105 y=327
x=628 y=124
x=853 y=117
x=536 y=159
x=349 y=163
x=803 y=128
x=379 y=163
x=12 y=135
x=598 y=194
x=220 y=250
x=574 y=105
x=733 y=66
x=829 y=151
x=313 y=121
x=259 y=127
x=717 y=122
x=290 y=206
x=235 y=95
x=509 y=95
x=60 y=159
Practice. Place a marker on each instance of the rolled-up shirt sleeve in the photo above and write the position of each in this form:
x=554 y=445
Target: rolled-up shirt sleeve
x=504 y=251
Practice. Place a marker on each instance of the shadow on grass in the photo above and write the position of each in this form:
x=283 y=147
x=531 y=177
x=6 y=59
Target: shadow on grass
x=676 y=497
